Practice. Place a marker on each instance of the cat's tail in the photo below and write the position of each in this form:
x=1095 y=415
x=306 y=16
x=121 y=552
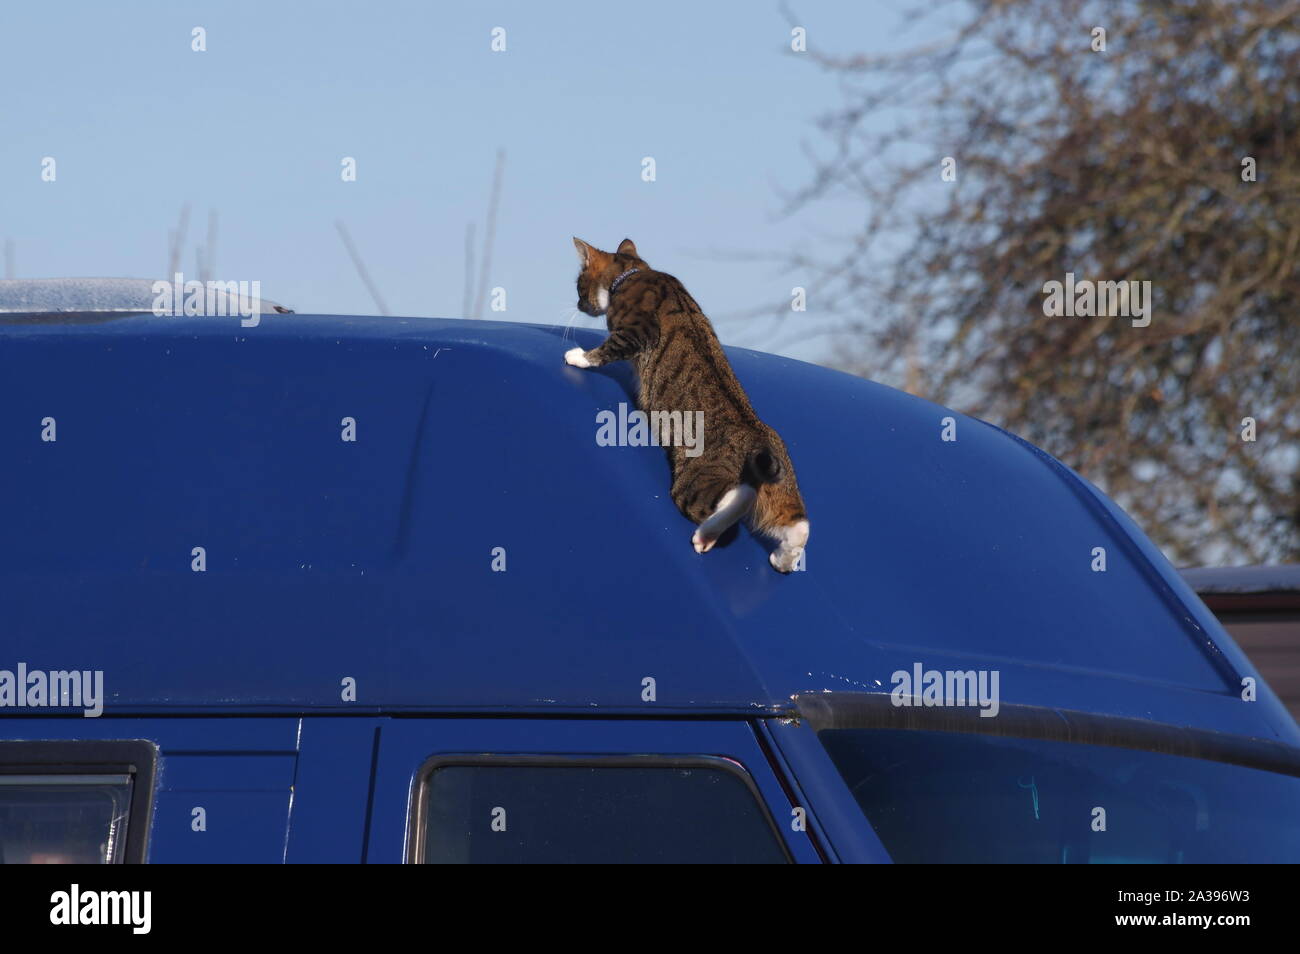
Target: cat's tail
x=762 y=466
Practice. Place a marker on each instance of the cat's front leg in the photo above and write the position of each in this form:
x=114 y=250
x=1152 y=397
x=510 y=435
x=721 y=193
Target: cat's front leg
x=622 y=344
x=577 y=357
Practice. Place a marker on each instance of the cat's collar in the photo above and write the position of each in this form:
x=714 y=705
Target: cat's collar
x=618 y=281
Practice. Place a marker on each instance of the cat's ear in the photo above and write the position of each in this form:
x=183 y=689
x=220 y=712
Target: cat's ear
x=584 y=251
x=626 y=247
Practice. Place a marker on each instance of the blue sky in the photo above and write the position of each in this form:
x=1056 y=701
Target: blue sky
x=256 y=128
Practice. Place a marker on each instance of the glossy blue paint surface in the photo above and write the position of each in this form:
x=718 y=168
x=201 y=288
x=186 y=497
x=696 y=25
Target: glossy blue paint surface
x=372 y=561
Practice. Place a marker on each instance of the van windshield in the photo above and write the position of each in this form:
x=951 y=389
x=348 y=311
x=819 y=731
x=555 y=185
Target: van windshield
x=966 y=797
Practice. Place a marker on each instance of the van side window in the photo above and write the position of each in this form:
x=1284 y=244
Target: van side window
x=546 y=809
x=74 y=802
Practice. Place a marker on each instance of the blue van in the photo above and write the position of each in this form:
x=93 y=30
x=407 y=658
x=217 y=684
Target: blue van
x=357 y=589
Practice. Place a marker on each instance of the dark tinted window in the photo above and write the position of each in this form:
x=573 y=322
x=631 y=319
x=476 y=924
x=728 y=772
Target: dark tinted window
x=76 y=802
x=63 y=819
x=959 y=797
x=592 y=813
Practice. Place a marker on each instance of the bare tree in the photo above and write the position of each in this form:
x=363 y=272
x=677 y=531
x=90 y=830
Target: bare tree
x=1134 y=141
x=467 y=302
x=360 y=266
x=207 y=254
x=176 y=242
x=490 y=236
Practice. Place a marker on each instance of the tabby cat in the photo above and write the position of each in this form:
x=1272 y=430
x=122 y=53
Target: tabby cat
x=744 y=471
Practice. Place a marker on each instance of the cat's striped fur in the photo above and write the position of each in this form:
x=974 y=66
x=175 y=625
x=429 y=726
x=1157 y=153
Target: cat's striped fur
x=744 y=471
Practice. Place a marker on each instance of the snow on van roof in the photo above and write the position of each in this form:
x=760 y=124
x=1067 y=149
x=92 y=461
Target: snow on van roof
x=126 y=296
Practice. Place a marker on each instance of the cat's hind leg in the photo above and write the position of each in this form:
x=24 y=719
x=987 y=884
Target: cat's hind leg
x=791 y=541
x=734 y=506
x=779 y=514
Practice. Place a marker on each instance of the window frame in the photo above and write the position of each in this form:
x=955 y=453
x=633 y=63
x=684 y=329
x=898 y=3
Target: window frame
x=417 y=819
x=137 y=758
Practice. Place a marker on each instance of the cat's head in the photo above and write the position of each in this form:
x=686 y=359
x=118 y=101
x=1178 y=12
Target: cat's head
x=599 y=269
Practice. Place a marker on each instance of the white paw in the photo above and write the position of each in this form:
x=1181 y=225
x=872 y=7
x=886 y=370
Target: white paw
x=733 y=506
x=702 y=542
x=785 y=559
x=576 y=357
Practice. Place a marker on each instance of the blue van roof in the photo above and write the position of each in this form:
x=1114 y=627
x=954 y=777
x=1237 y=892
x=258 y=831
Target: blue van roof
x=373 y=560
